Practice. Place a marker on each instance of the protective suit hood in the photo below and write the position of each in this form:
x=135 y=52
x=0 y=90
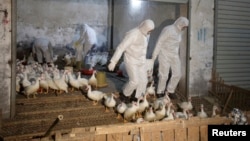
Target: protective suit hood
x=181 y=22
x=146 y=26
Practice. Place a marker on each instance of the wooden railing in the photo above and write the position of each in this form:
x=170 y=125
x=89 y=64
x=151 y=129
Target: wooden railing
x=229 y=96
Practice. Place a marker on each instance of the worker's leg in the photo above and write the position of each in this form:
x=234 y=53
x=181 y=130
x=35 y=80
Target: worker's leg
x=163 y=74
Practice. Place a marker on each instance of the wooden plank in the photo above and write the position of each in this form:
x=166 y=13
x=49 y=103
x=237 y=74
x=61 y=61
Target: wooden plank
x=181 y=134
x=65 y=98
x=168 y=135
x=114 y=137
x=148 y=136
x=203 y=133
x=215 y=120
x=141 y=132
x=82 y=130
x=227 y=101
x=157 y=136
x=58 y=136
x=74 y=109
x=148 y=127
x=126 y=137
x=100 y=137
x=193 y=134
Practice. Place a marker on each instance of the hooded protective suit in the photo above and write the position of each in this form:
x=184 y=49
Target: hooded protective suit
x=42 y=49
x=167 y=51
x=86 y=41
x=134 y=47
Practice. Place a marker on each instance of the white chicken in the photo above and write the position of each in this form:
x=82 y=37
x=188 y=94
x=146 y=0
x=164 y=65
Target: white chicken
x=182 y=115
x=95 y=95
x=61 y=84
x=151 y=89
x=202 y=113
x=44 y=84
x=82 y=81
x=32 y=89
x=50 y=82
x=92 y=80
x=149 y=115
x=163 y=100
x=73 y=82
x=120 y=109
x=161 y=112
x=109 y=101
x=186 y=105
x=168 y=111
x=215 y=108
x=170 y=115
x=67 y=58
x=129 y=113
x=25 y=82
x=18 y=86
x=143 y=105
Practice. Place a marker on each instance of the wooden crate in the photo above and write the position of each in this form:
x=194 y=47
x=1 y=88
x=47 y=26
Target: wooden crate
x=194 y=129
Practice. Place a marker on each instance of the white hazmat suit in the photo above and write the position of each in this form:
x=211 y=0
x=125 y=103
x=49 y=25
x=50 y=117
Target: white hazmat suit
x=167 y=51
x=43 y=50
x=134 y=47
x=83 y=45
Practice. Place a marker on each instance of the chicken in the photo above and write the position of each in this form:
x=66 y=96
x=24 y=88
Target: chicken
x=163 y=100
x=92 y=80
x=186 y=105
x=143 y=105
x=120 y=108
x=25 y=82
x=215 y=108
x=109 y=101
x=168 y=111
x=82 y=81
x=170 y=115
x=50 y=82
x=161 y=112
x=95 y=95
x=202 y=113
x=67 y=58
x=149 y=115
x=151 y=89
x=44 y=84
x=32 y=89
x=129 y=113
x=73 y=82
x=61 y=84
x=183 y=114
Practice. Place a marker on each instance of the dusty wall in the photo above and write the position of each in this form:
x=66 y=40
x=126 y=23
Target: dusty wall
x=5 y=56
x=58 y=19
x=201 y=45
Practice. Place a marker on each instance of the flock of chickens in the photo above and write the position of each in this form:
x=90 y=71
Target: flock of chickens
x=32 y=78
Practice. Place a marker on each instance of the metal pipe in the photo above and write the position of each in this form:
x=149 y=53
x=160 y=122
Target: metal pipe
x=59 y=118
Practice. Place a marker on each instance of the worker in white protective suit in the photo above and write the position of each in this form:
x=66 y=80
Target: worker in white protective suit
x=134 y=46
x=167 y=51
x=42 y=50
x=86 y=41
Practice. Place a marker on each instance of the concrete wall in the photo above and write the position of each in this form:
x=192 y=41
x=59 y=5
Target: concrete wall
x=201 y=45
x=58 y=19
x=5 y=57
